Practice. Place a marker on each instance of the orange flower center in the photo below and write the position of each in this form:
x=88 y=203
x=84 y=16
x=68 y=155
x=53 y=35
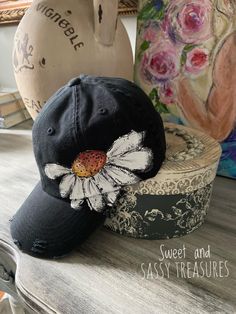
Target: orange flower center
x=88 y=163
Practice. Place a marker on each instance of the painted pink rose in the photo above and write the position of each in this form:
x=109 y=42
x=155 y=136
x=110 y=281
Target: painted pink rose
x=151 y=31
x=167 y=93
x=160 y=63
x=189 y=21
x=197 y=60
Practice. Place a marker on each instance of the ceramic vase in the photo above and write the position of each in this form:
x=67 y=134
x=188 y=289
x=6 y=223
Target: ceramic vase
x=57 y=40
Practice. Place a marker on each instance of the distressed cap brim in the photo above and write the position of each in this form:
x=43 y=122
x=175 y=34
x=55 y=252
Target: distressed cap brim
x=46 y=226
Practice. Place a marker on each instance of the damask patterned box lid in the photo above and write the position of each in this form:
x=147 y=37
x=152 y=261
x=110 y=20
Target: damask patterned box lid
x=176 y=200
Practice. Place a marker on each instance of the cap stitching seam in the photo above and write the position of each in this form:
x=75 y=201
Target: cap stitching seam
x=76 y=115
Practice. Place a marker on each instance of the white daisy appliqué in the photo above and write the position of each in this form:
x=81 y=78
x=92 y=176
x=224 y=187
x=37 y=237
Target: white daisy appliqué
x=97 y=177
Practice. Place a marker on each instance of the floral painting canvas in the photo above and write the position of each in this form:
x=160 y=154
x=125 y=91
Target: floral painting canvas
x=186 y=63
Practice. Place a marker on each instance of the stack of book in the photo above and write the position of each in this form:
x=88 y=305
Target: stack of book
x=12 y=108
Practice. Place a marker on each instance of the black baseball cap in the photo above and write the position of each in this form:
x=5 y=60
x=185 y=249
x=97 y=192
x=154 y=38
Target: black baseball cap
x=93 y=137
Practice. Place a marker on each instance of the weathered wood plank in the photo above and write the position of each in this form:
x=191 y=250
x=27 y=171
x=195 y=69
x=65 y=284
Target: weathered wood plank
x=104 y=275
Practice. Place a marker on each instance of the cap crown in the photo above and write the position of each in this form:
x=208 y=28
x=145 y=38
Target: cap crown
x=90 y=113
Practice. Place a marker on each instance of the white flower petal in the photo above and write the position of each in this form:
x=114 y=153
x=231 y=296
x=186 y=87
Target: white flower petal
x=126 y=143
x=76 y=204
x=66 y=185
x=96 y=203
x=120 y=175
x=104 y=182
x=90 y=188
x=139 y=160
x=112 y=197
x=54 y=171
x=93 y=195
x=77 y=191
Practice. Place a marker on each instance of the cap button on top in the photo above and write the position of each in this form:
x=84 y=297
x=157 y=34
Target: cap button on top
x=74 y=81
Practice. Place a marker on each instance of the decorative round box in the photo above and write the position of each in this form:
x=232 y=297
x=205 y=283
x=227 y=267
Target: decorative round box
x=174 y=202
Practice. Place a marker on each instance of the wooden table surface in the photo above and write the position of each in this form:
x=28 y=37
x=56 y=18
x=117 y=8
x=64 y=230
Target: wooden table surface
x=110 y=273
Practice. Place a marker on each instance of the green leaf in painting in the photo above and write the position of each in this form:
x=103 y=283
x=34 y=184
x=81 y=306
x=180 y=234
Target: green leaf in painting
x=159 y=106
x=185 y=51
x=162 y=108
x=183 y=58
x=150 y=12
x=153 y=94
x=145 y=45
x=189 y=47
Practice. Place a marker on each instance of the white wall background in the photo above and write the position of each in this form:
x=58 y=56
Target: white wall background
x=6 y=45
